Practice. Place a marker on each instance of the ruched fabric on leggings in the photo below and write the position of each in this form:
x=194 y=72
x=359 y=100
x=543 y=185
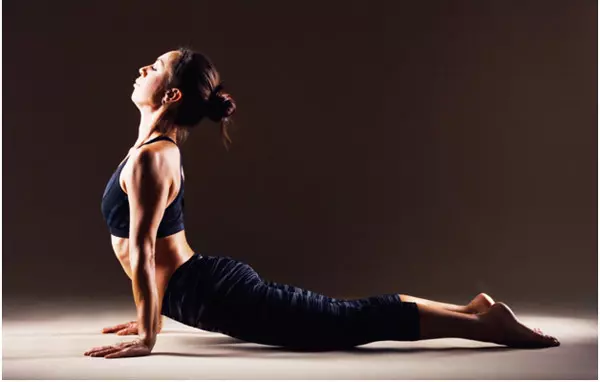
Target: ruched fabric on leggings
x=221 y=294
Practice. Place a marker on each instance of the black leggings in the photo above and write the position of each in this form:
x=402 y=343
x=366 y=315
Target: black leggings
x=221 y=294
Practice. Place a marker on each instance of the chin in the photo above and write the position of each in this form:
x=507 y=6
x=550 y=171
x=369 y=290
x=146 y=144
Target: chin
x=135 y=98
x=140 y=103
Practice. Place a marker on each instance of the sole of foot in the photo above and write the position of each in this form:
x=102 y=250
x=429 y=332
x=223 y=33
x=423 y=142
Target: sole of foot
x=506 y=329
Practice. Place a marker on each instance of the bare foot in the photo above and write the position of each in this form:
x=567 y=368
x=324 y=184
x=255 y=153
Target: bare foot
x=506 y=329
x=480 y=304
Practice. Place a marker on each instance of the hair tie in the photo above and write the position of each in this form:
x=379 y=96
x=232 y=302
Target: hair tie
x=215 y=91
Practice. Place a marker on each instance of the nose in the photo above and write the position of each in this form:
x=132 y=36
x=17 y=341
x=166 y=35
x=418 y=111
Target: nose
x=143 y=70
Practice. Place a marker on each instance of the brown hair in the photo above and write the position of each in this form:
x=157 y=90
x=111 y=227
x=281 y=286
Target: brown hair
x=202 y=95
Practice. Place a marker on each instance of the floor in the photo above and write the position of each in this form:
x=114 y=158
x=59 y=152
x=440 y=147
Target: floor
x=47 y=340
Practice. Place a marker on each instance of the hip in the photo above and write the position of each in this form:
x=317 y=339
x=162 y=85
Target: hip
x=204 y=282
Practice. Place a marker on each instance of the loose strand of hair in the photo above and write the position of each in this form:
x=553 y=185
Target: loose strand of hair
x=224 y=133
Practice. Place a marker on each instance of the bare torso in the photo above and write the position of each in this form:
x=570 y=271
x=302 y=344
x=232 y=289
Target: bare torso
x=170 y=251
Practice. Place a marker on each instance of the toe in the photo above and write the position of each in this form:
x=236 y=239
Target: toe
x=551 y=339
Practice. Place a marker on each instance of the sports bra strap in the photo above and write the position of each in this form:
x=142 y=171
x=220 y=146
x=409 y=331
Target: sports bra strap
x=159 y=138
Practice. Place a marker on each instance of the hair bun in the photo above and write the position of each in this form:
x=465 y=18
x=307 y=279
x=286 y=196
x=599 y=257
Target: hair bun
x=220 y=105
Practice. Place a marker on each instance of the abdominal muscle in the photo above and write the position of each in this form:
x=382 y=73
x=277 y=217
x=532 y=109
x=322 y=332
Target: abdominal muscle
x=170 y=253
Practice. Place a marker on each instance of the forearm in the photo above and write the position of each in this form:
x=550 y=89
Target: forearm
x=127 y=270
x=146 y=300
x=129 y=274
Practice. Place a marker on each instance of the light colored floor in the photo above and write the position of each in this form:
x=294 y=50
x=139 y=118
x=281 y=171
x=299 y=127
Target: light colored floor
x=47 y=341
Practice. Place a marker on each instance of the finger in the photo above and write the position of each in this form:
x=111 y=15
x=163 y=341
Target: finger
x=118 y=346
x=122 y=326
x=120 y=353
x=126 y=332
x=97 y=348
x=133 y=351
x=112 y=348
x=111 y=329
x=105 y=352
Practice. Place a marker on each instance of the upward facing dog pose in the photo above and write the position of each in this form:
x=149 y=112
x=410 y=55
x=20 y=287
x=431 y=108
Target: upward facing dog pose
x=143 y=207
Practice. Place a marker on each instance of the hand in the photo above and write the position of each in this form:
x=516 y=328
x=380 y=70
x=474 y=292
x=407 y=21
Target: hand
x=135 y=348
x=127 y=328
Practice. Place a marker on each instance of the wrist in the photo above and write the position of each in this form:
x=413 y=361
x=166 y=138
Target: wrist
x=148 y=340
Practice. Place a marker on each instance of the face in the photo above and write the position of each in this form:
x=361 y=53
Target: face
x=149 y=88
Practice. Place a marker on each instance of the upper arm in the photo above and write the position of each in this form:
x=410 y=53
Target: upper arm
x=148 y=193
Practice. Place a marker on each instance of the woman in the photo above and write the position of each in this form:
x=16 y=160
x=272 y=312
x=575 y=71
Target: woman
x=143 y=206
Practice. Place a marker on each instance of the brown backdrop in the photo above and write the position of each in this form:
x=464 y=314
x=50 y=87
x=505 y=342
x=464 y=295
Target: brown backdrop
x=437 y=148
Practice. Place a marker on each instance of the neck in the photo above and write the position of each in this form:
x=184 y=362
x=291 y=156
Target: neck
x=148 y=129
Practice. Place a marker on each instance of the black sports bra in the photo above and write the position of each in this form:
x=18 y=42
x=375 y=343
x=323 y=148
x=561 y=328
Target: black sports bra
x=115 y=205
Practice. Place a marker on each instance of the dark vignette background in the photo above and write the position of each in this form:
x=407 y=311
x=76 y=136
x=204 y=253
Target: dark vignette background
x=434 y=148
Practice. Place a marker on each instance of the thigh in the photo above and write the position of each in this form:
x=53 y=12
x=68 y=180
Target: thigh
x=302 y=291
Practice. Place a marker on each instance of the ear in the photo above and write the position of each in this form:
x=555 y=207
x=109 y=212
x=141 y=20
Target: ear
x=171 y=96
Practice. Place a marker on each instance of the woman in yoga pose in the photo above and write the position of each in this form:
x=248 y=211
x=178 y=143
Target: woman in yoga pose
x=143 y=207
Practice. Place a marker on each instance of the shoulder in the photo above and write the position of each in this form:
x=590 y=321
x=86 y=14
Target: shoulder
x=148 y=159
x=156 y=155
x=155 y=162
